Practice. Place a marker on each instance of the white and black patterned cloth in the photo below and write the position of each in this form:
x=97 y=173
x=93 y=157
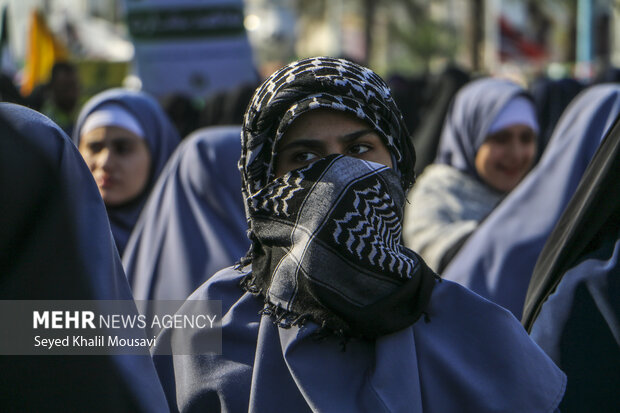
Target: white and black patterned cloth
x=326 y=238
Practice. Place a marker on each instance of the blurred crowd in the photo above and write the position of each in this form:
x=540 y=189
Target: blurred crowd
x=129 y=196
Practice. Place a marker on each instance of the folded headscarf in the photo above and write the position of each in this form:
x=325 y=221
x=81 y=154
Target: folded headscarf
x=112 y=114
x=518 y=111
x=327 y=237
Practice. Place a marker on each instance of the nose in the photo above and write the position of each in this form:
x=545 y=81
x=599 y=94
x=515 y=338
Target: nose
x=526 y=151
x=334 y=148
x=516 y=151
x=105 y=159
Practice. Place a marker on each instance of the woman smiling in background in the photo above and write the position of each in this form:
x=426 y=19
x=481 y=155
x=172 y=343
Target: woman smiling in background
x=497 y=261
x=487 y=146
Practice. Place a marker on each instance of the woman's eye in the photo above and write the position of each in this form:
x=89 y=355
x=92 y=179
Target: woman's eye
x=359 y=148
x=304 y=157
x=500 y=139
x=95 y=147
x=122 y=147
x=527 y=138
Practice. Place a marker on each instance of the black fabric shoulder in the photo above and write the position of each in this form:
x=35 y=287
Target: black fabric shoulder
x=33 y=217
x=593 y=212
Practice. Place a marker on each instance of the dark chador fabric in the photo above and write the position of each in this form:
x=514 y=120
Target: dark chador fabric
x=438 y=94
x=552 y=96
x=572 y=307
x=193 y=223
x=56 y=244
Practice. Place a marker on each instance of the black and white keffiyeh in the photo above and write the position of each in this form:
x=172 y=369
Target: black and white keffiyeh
x=326 y=238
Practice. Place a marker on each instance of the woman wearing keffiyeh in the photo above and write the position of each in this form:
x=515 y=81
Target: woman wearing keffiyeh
x=326 y=163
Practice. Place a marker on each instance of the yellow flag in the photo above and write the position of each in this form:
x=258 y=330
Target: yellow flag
x=42 y=52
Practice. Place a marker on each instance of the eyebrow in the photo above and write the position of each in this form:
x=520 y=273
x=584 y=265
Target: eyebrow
x=317 y=144
x=121 y=138
x=350 y=137
x=125 y=138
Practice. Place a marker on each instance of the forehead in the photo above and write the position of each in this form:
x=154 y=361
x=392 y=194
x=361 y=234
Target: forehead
x=323 y=123
x=514 y=129
x=109 y=132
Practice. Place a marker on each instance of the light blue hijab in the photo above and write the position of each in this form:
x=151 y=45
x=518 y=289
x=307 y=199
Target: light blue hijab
x=193 y=224
x=497 y=260
x=161 y=138
x=62 y=250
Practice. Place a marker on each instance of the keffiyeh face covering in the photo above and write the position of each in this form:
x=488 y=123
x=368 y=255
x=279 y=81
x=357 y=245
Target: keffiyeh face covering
x=326 y=238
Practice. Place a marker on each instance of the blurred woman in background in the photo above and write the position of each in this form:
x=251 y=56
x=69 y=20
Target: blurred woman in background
x=498 y=259
x=125 y=138
x=488 y=145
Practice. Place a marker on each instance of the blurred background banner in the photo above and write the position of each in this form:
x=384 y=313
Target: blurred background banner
x=43 y=50
x=7 y=64
x=198 y=49
x=99 y=75
x=195 y=48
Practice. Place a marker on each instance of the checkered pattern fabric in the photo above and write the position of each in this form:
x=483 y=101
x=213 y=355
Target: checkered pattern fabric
x=326 y=238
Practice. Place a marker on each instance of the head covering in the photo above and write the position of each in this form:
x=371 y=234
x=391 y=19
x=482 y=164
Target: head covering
x=301 y=235
x=472 y=113
x=498 y=259
x=327 y=247
x=161 y=138
x=519 y=111
x=56 y=244
x=193 y=223
x=571 y=307
x=112 y=115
